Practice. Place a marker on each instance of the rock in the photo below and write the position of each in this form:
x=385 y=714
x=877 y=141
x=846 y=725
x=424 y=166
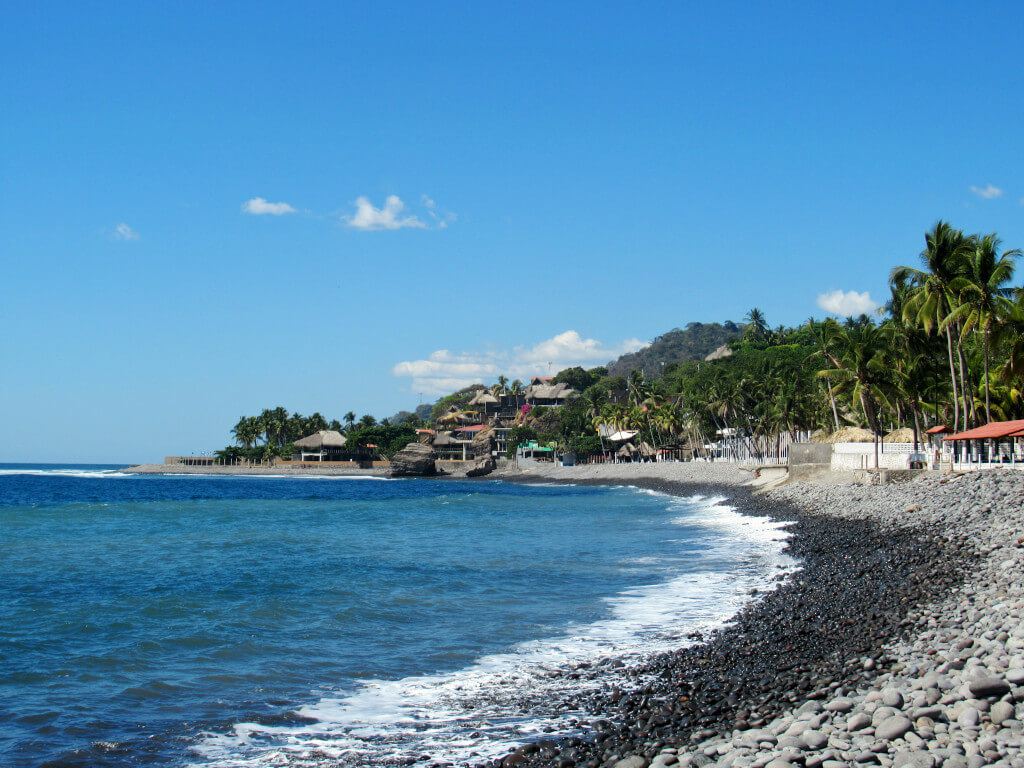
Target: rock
x=913 y=760
x=892 y=727
x=633 y=761
x=858 y=722
x=1001 y=711
x=842 y=705
x=813 y=740
x=968 y=717
x=912 y=508
x=1015 y=676
x=415 y=460
x=892 y=698
x=989 y=687
x=483 y=445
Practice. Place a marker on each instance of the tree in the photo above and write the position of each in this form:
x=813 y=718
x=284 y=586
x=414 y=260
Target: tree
x=517 y=436
x=983 y=296
x=366 y=420
x=935 y=289
x=859 y=366
x=1010 y=335
x=350 y=420
x=757 y=326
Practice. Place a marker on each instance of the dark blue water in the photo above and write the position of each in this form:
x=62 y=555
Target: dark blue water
x=149 y=620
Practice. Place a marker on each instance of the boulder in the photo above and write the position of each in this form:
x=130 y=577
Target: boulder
x=415 y=460
x=989 y=687
x=482 y=446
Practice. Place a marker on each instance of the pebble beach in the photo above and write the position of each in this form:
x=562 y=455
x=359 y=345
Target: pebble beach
x=900 y=642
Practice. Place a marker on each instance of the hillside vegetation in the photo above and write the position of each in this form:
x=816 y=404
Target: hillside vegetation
x=696 y=342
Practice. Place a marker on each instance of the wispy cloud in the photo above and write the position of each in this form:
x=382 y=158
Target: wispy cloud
x=847 y=303
x=369 y=219
x=988 y=191
x=260 y=207
x=123 y=232
x=443 y=371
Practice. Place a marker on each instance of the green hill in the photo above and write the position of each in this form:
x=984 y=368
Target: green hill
x=695 y=342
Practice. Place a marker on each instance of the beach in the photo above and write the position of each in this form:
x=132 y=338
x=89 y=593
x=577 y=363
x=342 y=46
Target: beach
x=900 y=642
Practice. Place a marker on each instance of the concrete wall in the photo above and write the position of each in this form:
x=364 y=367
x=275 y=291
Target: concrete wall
x=809 y=459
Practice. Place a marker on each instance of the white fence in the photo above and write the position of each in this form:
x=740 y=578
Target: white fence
x=755 y=450
x=851 y=456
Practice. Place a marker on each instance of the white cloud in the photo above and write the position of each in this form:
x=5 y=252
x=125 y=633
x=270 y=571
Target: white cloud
x=123 y=232
x=260 y=207
x=368 y=218
x=427 y=202
x=443 y=371
x=988 y=191
x=847 y=303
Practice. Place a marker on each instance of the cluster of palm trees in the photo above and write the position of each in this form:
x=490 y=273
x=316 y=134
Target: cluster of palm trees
x=948 y=348
x=963 y=294
x=276 y=428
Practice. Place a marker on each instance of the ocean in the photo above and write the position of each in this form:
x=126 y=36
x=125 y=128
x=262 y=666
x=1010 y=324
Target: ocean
x=256 y=621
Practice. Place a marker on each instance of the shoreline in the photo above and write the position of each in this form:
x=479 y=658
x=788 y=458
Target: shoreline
x=227 y=471
x=862 y=657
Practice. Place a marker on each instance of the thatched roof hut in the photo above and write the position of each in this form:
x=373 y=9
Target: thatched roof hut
x=325 y=438
x=456 y=417
x=902 y=435
x=483 y=397
x=852 y=435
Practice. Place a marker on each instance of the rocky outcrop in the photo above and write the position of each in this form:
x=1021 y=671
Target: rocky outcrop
x=483 y=444
x=415 y=460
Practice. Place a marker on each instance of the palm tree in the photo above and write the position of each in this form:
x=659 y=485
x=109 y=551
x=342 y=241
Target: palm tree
x=983 y=296
x=859 y=365
x=516 y=388
x=315 y=423
x=757 y=326
x=502 y=384
x=1010 y=334
x=246 y=431
x=935 y=289
x=350 y=421
x=367 y=421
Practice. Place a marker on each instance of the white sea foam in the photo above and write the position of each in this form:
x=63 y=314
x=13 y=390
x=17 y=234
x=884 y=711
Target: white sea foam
x=67 y=472
x=217 y=475
x=506 y=699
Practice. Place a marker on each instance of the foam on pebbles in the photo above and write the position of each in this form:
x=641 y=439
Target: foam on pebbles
x=944 y=691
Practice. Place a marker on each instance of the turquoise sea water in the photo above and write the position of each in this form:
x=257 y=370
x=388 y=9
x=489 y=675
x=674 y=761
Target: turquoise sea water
x=218 y=621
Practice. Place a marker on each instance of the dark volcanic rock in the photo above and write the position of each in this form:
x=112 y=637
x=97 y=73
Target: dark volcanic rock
x=415 y=460
x=483 y=444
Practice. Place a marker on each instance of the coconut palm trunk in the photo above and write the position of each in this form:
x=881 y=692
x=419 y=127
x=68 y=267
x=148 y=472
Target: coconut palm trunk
x=952 y=378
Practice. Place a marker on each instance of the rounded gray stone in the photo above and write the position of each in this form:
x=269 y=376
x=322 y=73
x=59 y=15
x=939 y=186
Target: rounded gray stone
x=988 y=687
x=892 y=727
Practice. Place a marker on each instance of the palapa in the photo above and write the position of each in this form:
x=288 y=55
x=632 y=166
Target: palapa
x=902 y=435
x=852 y=435
x=325 y=438
x=483 y=397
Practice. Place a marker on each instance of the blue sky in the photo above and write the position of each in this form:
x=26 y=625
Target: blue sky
x=565 y=181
